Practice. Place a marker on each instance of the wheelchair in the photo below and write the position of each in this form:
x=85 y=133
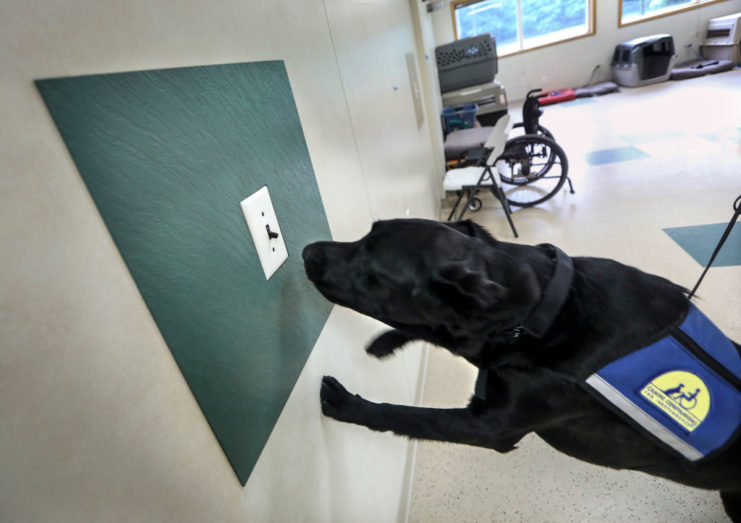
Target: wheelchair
x=532 y=167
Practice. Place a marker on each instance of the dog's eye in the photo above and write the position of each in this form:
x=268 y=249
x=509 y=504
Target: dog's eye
x=372 y=280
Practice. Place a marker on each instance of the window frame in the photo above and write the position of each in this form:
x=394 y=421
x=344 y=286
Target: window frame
x=591 y=31
x=697 y=5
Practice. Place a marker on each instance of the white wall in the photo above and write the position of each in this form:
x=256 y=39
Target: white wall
x=97 y=421
x=371 y=39
x=425 y=36
x=570 y=64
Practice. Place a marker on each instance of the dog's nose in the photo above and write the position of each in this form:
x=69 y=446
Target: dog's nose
x=306 y=253
x=314 y=264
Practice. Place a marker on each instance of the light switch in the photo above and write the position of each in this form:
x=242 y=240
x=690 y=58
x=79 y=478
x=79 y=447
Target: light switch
x=265 y=231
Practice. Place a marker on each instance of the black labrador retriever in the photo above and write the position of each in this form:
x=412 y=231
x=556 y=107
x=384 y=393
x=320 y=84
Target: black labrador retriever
x=499 y=306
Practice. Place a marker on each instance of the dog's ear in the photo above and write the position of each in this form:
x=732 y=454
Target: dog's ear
x=524 y=291
x=464 y=287
x=470 y=228
x=459 y=283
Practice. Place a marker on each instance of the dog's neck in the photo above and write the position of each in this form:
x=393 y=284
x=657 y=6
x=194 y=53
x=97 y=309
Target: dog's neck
x=536 y=325
x=554 y=295
x=539 y=319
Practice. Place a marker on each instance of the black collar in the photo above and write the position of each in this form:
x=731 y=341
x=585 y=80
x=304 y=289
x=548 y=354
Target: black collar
x=543 y=314
x=541 y=318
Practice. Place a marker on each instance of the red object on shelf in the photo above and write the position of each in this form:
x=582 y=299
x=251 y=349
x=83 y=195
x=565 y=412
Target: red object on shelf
x=554 y=97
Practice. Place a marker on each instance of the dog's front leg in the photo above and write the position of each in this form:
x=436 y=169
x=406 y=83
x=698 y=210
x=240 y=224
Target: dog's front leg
x=388 y=342
x=451 y=425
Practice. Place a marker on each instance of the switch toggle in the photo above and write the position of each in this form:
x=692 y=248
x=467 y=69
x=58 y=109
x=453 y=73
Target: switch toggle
x=271 y=235
x=263 y=225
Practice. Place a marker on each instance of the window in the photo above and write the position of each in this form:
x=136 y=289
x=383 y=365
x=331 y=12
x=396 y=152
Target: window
x=519 y=25
x=632 y=11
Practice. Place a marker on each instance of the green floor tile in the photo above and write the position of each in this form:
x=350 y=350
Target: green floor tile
x=700 y=241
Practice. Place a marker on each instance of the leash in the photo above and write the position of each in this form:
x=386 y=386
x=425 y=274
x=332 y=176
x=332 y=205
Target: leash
x=726 y=233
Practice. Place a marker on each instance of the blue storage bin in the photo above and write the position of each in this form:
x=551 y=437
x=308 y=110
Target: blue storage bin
x=459 y=117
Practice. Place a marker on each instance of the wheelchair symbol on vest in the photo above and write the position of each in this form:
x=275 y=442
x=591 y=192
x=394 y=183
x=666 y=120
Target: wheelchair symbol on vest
x=681 y=395
x=686 y=401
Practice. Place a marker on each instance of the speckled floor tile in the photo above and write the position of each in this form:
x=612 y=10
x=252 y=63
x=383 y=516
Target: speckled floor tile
x=650 y=136
x=619 y=211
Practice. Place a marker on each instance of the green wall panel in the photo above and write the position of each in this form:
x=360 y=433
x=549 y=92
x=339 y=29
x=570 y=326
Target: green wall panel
x=167 y=155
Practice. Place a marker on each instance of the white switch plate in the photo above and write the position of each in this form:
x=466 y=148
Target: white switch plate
x=259 y=214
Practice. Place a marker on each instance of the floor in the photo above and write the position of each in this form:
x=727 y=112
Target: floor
x=649 y=165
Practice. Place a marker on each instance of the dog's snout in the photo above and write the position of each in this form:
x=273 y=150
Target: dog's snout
x=314 y=261
x=308 y=251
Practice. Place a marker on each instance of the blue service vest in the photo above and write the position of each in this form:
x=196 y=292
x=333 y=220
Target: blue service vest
x=684 y=390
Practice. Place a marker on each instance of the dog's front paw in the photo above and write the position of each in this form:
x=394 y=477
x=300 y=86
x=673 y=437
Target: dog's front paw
x=387 y=343
x=337 y=402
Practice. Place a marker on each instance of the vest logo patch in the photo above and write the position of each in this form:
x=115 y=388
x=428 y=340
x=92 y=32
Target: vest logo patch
x=681 y=395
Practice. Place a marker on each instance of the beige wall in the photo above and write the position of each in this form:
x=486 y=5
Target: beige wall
x=371 y=39
x=425 y=40
x=97 y=421
x=570 y=64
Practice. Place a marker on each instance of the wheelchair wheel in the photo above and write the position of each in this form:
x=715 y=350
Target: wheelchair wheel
x=541 y=130
x=535 y=166
x=474 y=205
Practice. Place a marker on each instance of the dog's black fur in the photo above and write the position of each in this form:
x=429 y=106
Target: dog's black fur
x=457 y=287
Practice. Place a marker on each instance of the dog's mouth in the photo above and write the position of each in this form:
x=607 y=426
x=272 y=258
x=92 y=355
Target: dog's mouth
x=317 y=267
x=314 y=263
x=324 y=262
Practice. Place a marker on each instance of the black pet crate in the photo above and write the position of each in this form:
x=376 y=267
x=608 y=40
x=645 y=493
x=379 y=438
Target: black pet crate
x=644 y=60
x=466 y=62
